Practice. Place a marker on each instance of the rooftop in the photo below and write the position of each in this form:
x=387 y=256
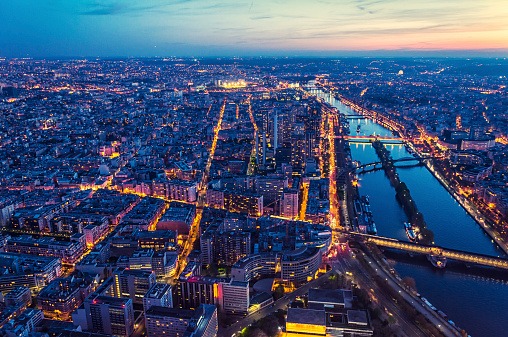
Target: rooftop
x=306 y=316
x=169 y=312
x=323 y=296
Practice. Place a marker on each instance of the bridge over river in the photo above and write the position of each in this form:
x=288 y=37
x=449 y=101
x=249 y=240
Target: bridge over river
x=370 y=139
x=364 y=168
x=457 y=255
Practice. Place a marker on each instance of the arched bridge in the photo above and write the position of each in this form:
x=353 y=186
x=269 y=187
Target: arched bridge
x=369 y=139
x=458 y=255
x=377 y=164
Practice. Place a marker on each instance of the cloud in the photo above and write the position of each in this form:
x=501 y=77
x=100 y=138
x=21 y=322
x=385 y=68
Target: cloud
x=127 y=7
x=261 y=17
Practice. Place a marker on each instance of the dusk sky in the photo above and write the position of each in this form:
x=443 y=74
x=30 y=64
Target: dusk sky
x=46 y=28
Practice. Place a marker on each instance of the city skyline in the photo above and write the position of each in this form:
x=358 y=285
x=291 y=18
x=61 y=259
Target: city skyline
x=253 y=28
x=253 y=168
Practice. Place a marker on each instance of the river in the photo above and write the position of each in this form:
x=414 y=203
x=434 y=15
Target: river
x=477 y=304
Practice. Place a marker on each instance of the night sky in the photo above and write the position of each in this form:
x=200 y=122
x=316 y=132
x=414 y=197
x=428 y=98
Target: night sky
x=54 y=28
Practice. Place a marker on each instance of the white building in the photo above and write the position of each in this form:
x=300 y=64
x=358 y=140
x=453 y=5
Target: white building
x=235 y=297
x=160 y=294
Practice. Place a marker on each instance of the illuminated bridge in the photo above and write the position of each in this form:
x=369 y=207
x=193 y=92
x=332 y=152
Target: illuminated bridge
x=457 y=255
x=377 y=164
x=373 y=138
x=370 y=139
x=364 y=168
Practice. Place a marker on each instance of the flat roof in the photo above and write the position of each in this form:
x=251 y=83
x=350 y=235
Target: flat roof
x=306 y=316
x=300 y=253
x=240 y=283
x=357 y=317
x=326 y=296
x=158 y=290
x=170 y=312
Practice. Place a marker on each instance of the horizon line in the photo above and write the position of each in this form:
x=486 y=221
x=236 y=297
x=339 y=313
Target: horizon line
x=379 y=53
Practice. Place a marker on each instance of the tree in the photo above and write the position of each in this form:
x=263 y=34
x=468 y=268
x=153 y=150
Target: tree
x=257 y=332
x=278 y=292
x=409 y=282
x=269 y=325
x=212 y=269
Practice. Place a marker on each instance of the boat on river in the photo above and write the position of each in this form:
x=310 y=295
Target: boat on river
x=437 y=261
x=410 y=232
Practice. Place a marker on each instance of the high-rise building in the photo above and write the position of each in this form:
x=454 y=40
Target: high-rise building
x=235 y=297
x=300 y=265
x=275 y=132
x=289 y=203
x=196 y=290
x=160 y=295
x=230 y=247
x=207 y=247
x=244 y=202
x=109 y=315
x=224 y=247
x=133 y=284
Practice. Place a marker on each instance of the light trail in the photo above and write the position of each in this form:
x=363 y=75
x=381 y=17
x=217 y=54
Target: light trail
x=305 y=199
x=194 y=228
x=334 y=217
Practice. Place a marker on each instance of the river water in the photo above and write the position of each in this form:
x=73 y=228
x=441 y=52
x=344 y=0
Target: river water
x=477 y=304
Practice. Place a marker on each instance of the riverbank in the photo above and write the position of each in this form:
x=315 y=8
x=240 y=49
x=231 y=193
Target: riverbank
x=470 y=208
x=482 y=220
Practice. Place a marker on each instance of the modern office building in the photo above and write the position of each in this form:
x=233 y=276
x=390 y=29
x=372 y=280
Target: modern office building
x=305 y=322
x=109 y=315
x=300 y=265
x=196 y=290
x=160 y=294
x=330 y=300
x=133 y=284
x=319 y=323
x=254 y=266
x=235 y=297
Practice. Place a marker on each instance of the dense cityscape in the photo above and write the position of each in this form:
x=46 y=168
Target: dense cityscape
x=252 y=196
